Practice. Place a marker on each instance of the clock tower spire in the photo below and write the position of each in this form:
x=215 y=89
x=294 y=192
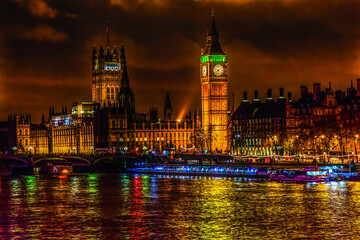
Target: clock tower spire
x=214 y=98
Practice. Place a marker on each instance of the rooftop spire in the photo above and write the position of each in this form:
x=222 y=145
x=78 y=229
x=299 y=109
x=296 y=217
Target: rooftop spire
x=94 y=52
x=125 y=78
x=212 y=40
x=122 y=56
x=101 y=52
x=213 y=31
x=167 y=100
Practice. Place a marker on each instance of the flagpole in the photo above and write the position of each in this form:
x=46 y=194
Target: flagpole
x=108 y=33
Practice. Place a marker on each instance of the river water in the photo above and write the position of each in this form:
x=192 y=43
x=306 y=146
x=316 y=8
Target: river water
x=94 y=206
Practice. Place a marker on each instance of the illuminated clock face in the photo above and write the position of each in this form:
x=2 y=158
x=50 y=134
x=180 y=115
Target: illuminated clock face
x=204 y=70
x=218 y=70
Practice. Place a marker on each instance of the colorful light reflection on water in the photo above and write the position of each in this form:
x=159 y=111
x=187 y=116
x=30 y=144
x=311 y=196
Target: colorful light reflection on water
x=94 y=206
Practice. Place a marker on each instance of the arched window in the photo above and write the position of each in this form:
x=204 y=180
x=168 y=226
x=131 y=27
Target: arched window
x=108 y=93
x=20 y=132
x=26 y=142
x=112 y=93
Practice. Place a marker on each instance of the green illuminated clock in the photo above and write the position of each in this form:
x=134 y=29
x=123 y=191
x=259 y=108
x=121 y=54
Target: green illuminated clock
x=218 y=70
x=204 y=70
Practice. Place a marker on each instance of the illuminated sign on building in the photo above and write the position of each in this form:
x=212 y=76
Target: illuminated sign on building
x=112 y=66
x=62 y=120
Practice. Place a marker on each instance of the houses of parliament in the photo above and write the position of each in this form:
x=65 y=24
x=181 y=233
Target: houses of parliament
x=110 y=121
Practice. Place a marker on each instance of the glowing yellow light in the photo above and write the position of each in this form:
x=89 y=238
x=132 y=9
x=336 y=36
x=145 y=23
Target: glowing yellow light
x=322 y=136
x=179 y=120
x=65 y=171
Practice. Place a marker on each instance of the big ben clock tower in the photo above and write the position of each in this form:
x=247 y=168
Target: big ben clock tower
x=214 y=98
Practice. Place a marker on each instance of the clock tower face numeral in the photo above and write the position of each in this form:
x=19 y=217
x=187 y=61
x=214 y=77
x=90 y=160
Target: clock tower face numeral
x=218 y=70
x=203 y=70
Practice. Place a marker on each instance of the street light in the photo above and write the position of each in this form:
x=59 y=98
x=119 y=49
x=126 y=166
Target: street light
x=30 y=148
x=14 y=149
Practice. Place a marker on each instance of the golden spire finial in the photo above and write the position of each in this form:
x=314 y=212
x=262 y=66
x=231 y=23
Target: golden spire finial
x=212 y=12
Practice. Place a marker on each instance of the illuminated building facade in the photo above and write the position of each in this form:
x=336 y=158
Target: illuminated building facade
x=258 y=127
x=23 y=123
x=322 y=122
x=72 y=132
x=325 y=121
x=109 y=74
x=39 y=139
x=113 y=129
x=214 y=93
x=62 y=133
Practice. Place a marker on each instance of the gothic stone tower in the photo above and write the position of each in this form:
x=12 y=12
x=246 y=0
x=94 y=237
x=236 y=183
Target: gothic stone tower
x=214 y=98
x=107 y=70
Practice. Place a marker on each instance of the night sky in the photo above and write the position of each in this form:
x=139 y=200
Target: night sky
x=46 y=46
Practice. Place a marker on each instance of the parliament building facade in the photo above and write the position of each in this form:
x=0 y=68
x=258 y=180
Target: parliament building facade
x=110 y=121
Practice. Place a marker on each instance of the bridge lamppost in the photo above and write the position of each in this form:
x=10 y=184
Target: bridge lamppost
x=125 y=149
x=74 y=149
x=92 y=149
x=30 y=148
x=15 y=149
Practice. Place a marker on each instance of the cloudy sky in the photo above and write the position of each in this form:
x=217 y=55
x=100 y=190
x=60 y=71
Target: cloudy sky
x=46 y=45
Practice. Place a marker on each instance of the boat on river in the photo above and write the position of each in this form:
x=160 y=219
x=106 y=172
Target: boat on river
x=344 y=176
x=296 y=175
x=215 y=171
x=55 y=167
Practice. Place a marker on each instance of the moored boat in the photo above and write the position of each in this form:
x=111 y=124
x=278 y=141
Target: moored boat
x=55 y=167
x=294 y=175
x=342 y=176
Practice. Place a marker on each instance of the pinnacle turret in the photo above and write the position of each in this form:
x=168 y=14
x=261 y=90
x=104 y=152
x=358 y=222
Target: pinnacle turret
x=168 y=108
x=101 y=52
x=115 y=54
x=108 y=55
x=94 y=53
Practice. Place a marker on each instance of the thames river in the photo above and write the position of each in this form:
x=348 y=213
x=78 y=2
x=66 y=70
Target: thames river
x=94 y=206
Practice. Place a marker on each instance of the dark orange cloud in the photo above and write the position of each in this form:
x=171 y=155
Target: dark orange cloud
x=38 y=8
x=269 y=43
x=41 y=33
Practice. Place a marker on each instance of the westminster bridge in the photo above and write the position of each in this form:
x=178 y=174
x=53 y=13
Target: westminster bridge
x=119 y=163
